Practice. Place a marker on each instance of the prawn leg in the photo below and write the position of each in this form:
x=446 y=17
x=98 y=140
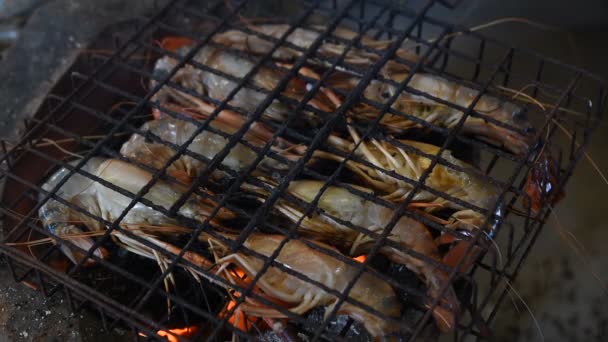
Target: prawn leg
x=60 y=221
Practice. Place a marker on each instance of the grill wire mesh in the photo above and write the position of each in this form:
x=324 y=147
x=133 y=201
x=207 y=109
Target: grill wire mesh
x=108 y=94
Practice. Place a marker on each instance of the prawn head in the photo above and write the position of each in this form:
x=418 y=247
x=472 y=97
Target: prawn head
x=542 y=184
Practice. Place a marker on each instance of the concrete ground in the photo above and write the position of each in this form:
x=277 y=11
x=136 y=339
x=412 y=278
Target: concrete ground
x=564 y=289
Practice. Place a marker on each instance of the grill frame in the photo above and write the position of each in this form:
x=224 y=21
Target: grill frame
x=95 y=80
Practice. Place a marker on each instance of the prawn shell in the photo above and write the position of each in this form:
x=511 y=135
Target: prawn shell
x=327 y=270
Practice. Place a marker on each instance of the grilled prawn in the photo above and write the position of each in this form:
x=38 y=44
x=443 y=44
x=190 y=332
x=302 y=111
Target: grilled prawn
x=463 y=185
x=510 y=129
x=301 y=296
x=174 y=132
x=303 y=38
x=101 y=201
x=340 y=203
x=275 y=285
x=228 y=67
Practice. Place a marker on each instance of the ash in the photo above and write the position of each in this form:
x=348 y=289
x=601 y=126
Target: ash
x=342 y=326
x=25 y=315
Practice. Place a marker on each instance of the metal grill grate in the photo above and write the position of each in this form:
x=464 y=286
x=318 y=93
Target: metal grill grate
x=112 y=88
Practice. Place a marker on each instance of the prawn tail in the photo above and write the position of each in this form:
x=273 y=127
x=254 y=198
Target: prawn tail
x=445 y=318
x=78 y=246
x=542 y=184
x=513 y=141
x=448 y=307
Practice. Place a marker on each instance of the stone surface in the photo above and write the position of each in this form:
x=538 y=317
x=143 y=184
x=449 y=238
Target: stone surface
x=25 y=315
x=48 y=45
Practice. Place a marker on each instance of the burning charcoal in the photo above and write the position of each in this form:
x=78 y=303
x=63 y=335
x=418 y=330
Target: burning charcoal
x=341 y=326
x=270 y=336
x=407 y=278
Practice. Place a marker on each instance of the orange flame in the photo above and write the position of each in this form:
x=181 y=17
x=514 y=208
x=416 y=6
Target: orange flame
x=239 y=273
x=237 y=319
x=171 y=334
x=238 y=322
x=360 y=258
x=173 y=43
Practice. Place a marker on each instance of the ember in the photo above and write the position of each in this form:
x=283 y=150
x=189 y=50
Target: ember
x=172 y=334
x=237 y=319
x=360 y=258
